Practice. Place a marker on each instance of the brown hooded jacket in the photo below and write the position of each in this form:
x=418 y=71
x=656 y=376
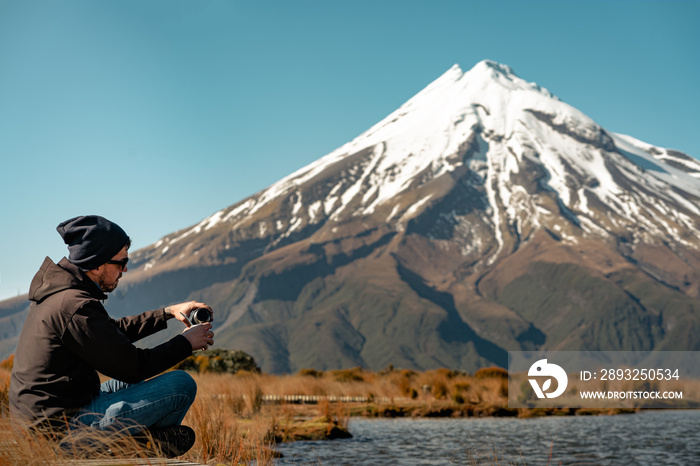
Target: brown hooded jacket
x=68 y=338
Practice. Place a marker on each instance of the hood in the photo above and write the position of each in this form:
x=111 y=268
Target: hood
x=53 y=278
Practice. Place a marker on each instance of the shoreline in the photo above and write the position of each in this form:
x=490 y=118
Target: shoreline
x=308 y=422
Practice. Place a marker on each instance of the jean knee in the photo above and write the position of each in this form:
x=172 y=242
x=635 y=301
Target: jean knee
x=183 y=382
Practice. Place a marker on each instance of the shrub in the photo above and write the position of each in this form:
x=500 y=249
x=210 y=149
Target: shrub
x=201 y=363
x=348 y=375
x=458 y=391
x=503 y=390
x=491 y=373
x=462 y=386
x=404 y=385
x=220 y=360
x=311 y=373
x=4 y=394
x=444 y=372
x=526 y=392
x=7 y=363
x=440 y=390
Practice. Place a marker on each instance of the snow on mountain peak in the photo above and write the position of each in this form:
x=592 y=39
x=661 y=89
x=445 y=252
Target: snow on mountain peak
x=495 y=123
x=493 y=70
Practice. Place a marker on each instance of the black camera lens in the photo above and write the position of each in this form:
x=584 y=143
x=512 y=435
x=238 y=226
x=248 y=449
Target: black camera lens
x=201 y=315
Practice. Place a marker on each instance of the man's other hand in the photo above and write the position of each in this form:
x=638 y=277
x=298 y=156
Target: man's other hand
x=200 y=336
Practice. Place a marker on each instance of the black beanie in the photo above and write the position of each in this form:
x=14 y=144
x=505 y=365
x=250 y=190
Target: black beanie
x=92 y=240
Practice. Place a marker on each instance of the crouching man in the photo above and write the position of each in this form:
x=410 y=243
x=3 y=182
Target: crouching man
x=68 y=338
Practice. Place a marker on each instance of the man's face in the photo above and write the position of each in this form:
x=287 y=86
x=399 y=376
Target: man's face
x=108 y=279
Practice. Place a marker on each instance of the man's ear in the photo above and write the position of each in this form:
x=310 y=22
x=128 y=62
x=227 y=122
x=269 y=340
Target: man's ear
x=94 y=273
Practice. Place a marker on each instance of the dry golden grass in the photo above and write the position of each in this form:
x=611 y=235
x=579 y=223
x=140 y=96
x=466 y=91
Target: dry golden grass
x=228 y=420
x=4 y=391
x=234 y=425
x=17 y=446
x=229 y=431
x=439 y=384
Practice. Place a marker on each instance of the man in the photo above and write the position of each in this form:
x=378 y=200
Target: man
x=68 y=338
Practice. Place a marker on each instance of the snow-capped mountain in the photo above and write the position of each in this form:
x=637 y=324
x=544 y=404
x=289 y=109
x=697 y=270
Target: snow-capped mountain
x=540 y=163
x=483 y=215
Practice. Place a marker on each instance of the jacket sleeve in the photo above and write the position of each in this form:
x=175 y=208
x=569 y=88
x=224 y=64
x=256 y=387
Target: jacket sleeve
x=99 y=341
x=142 y=325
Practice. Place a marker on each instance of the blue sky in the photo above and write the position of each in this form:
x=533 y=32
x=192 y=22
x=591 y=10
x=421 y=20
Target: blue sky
x=156 y=114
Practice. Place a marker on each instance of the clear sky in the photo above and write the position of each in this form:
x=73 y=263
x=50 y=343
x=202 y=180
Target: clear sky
x=157 y=113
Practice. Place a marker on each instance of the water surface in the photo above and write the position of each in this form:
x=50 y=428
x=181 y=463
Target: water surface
x=652 y=437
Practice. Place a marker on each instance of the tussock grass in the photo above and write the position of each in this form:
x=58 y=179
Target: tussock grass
x=230 y=430
x=235 y=426
x=390 y=384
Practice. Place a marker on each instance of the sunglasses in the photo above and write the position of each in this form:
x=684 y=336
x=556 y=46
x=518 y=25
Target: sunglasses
x=121 y=263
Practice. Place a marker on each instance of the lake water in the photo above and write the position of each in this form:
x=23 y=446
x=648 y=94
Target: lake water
x=647 y=438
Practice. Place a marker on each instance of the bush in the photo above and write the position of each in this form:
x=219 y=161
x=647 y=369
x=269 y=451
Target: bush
x=440 y=390
x=491 y=373
x=348 y=375
x=404 y=385
x=220 y=360
x=311 y=373
x=8 y=363
x=444 y=372
x=462 y=386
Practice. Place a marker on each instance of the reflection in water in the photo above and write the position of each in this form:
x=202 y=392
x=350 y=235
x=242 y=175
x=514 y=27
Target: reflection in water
x=650 y=437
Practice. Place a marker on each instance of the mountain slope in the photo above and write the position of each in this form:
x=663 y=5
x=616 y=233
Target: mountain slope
x=483 y=215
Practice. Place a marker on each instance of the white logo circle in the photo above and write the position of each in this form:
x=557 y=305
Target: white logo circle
x=542 y=368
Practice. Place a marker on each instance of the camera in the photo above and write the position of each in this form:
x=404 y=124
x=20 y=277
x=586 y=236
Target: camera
x=200 y=316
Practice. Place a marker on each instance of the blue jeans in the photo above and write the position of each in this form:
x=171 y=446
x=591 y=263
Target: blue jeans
x=129 y=408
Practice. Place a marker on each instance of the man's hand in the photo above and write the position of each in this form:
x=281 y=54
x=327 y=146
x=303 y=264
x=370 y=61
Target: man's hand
x=200 y=336
x=182 y=311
